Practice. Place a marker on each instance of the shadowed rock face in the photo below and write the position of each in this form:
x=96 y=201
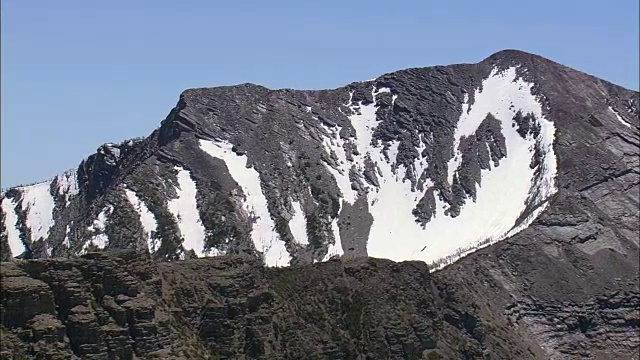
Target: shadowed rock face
x=122 y=306
x=562 y=284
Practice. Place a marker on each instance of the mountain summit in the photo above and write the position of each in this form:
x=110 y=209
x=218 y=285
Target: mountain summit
x=517 y=177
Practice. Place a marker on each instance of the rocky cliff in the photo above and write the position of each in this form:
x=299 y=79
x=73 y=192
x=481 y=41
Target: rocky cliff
x=124 y=307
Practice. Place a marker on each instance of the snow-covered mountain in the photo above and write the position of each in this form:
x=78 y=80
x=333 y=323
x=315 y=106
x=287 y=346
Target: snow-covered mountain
x=423 y=164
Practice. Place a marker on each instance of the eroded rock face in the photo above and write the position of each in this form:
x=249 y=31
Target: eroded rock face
x=123 y=307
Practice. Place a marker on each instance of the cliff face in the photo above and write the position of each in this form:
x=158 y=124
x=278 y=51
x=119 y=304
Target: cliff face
x=520 y=174
x=123 y=307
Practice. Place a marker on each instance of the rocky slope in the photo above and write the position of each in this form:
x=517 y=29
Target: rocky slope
x=426 y=164
x=465 y=155
x=124 y=307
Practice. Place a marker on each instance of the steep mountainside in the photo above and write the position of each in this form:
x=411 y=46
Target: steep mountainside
x=518 y=152
x=424 y=164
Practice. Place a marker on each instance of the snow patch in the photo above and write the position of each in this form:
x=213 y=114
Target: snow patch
x=335 y=248
x=298 y=224
x=420 y=164
x=148 y=220
x=364 y=122
x=620 y=119
x=100 y=240
x=335 y=144
x=11 y=230
x=66 y=240
x=264 y=236
x=38 y=203
x=501 y=199
x=185 y=210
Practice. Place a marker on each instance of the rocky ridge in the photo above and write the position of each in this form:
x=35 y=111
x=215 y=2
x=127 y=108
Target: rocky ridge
x=332 y=162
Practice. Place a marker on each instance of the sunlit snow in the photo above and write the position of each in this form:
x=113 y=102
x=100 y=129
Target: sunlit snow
x=336 y=145
x=264 y=236
x=336 y=248
x=500 y=200
x=66 y=240
x=13 y=234
x=38 y=202
x=620 y=119
x=148 y=220
x=100 y=240
x=298 y=224
x=185 y=209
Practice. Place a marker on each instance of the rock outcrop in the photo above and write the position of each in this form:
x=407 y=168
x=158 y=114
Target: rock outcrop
x=122 y=307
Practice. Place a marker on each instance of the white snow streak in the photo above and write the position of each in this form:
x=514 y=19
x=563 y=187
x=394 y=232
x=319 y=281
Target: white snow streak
x=148 y=220
x=341 y=174
x=298 y=224
x=38 y=202
x=623 y=121
x=364 y=123
x=335 y=248
x=100 y=240
x=13 y=234
x=185 y=209
x=500 y=200
x=66 y=240
x=263 y=234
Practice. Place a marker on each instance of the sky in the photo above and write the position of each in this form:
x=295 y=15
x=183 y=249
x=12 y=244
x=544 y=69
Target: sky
x=76 y=74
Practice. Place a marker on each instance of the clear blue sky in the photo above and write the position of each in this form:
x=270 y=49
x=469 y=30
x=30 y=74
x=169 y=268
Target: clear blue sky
x=78 y=73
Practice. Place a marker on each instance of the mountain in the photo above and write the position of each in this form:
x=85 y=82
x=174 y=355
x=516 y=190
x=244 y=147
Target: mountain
x=536 y=159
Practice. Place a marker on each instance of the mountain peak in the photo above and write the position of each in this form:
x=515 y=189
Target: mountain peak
x=510 y=54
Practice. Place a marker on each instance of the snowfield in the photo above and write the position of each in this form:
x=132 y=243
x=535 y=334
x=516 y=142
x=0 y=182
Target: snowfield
x=38 y=203
x=185 y=209
x=13 y=234
x=148 y=220
x=264 y=236
x=100 y=238
x=501 y=199
x=619 y=118
x=298 y=224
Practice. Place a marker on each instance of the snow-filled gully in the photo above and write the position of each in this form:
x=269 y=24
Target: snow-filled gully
x=502 y=197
